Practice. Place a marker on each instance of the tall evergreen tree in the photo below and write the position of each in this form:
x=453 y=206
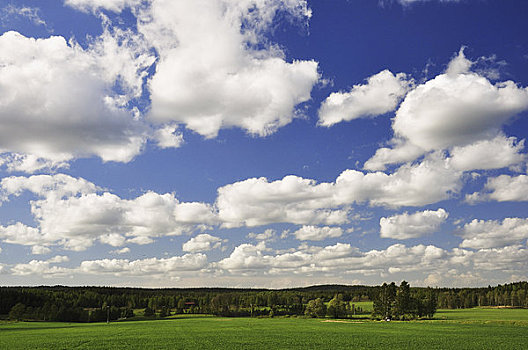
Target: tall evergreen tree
x=430 y=303
x=403 y=303
x=384 y=301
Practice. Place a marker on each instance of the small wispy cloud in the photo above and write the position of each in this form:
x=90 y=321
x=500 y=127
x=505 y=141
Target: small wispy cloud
x=30 y=13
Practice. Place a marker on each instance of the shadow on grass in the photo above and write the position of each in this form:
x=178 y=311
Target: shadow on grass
x=19 y=329
x=170 y=318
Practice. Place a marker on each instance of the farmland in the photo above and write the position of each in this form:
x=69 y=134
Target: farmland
x=451 y=329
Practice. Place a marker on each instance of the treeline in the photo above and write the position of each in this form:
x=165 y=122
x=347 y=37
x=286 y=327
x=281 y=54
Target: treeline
x=507 y=295
x=92 y=304
x=52 y=312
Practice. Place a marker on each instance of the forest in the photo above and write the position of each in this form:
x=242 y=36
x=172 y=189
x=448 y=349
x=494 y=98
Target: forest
x=96 y=304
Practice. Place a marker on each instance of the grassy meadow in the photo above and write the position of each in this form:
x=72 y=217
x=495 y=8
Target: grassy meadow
x=451 y=329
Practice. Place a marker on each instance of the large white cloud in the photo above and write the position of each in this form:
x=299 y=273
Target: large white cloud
x=507 y=260
x=74 y=213
x=455 y=109
x=503 y=188
x=152 y=267
x=24 y=235
x=293 y=199
x=496 y=153
x=428 y=263
x=255 y=202
x=172 y=266
x=427 y=182
x=215 y=66
x=56 y=100
x=339 y=258
x=80 y=220
x=380 y=95
x=216 y=70
x=405 y=226
x=479 y=234
x=42 y=268
x=339 y=262
x=57 y=186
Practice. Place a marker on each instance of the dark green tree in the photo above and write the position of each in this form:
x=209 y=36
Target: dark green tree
x=128 y=313
x=164 y=312
x=404 y=303
x=384 y=301
x=315 y=308
x=148 y=312
x=17 y=312
x=430 y=303
x=336 y=307
x=180 y=306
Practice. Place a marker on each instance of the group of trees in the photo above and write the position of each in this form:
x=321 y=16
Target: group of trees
x=391 y=302
x=335 y=308
x=51 y=312
x=88 y=304
x=508 y=295
x=91 y=304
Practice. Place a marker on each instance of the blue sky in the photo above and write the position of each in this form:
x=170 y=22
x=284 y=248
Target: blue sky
x=263 y=143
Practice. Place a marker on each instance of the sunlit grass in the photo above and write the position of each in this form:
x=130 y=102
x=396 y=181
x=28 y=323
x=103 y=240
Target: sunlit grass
x=452 y=329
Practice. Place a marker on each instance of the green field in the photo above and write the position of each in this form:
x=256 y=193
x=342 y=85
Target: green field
x=452 y=329
x=484 y=314
x=365 y=305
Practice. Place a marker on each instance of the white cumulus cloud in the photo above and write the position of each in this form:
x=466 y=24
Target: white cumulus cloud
x=381 y=94
x=296 y=200
x=43 y=268
x=168 y=137
x=172 y=266
x=216 y=69
x=202 y=243
x=496 y=153
x=503 y=188
x=405 y=226
x=339 y=258
x=267 y=235
x=94 y=5
x=40 y=250
x=480 y=234
x=124 y=250
x=57 y=186
x=73 y=213
x=315 y=233
x=57 y=103
x=454 y=109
